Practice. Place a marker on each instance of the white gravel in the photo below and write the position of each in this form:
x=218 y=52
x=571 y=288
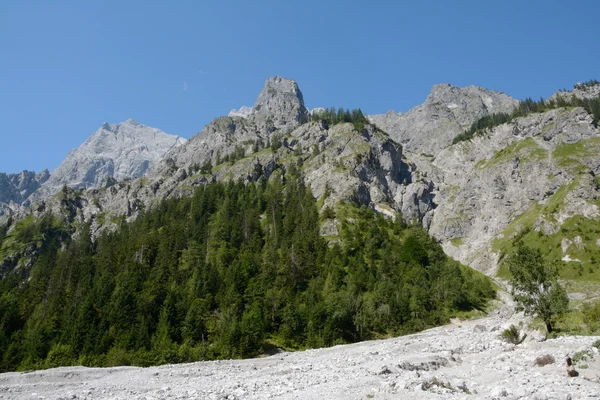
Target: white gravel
x=463 y=360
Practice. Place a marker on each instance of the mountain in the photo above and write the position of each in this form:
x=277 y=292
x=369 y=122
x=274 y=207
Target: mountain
x=15 y=188
x=447 y=112
x=535 y=175
x=339 y=162
x=466 y=195
x=119 y=151
x=296 y=191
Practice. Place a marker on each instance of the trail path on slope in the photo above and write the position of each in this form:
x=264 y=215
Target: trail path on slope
x=463 y=360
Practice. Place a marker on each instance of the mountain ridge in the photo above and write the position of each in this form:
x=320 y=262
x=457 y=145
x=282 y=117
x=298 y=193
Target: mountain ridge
x=276 y=132
x=447 y=111
x=297 y=192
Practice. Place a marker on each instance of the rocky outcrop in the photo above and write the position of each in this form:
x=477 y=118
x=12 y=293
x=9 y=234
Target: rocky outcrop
x=120 y=151
x=280 y=102
x=534 y=173
x=15 y=188
x=244 y=111
x=447 y=112
x=339 y=162
x=579 y=91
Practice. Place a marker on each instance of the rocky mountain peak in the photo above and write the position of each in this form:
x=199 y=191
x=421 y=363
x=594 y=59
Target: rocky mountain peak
x=15 y=188
x=281 y=100
x=243 y=112
x=120 y=151
x=447 y=111
x=580 y=91
x=472 y=99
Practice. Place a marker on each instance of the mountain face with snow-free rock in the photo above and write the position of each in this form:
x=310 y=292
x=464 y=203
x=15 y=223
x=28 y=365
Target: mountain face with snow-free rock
x=15 y=188
x=534 y=174
x=447 y=112
x=339 y=162
x=533 y=179
x=120 y=151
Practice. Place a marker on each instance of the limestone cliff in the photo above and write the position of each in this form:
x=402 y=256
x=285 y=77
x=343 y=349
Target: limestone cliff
x=119 y=151
x=447 y=112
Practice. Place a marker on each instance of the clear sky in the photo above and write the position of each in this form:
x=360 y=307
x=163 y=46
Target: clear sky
x=68 y=66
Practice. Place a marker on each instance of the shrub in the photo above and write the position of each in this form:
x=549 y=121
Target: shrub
x=583 y=355
x=512 y=335
x=117 y=357
x=60 y=355
x=591 y=316
x=544 y=360
x=328 y=213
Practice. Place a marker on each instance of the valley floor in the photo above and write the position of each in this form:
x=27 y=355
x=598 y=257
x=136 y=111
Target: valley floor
x=463 y=360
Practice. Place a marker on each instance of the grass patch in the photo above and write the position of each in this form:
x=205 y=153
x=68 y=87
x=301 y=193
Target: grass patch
x=572 y=155
x=457 y=242
x=10 y=244
x=582 y=232
x=527 y=150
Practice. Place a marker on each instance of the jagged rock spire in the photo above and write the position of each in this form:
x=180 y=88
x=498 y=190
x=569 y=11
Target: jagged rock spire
x=282 y=101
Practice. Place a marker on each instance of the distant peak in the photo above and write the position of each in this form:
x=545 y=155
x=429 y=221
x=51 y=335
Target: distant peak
x=442 y=91
x=131 y=121
x=106 y=126
x=244 y=111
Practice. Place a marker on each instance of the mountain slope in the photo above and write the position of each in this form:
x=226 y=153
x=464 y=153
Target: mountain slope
x=545 y=162
x=15 y=188
x=339 y=162
x=447 y=112
x=120 y=151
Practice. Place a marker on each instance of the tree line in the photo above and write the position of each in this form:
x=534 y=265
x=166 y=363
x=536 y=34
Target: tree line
x=229 y=272
x=332 y=117
x=530 y=106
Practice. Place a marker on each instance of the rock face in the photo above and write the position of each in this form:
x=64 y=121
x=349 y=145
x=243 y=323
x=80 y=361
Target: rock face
x=15 y=188
x=282 y=101
x=339 y=162
x=447 y=112
x=537 y=172
x=120 y=151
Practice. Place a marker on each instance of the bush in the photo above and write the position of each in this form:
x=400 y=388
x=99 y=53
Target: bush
x=328 y=213
x=61 y=355
x=512 y=335
x=544 y=360
x=117 y=357
x=583 y=355
x=591 y=316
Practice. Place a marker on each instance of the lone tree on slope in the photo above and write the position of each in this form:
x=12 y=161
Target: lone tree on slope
x=535 y=286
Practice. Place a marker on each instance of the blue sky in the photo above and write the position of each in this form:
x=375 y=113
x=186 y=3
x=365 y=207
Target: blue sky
x=68 y=66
